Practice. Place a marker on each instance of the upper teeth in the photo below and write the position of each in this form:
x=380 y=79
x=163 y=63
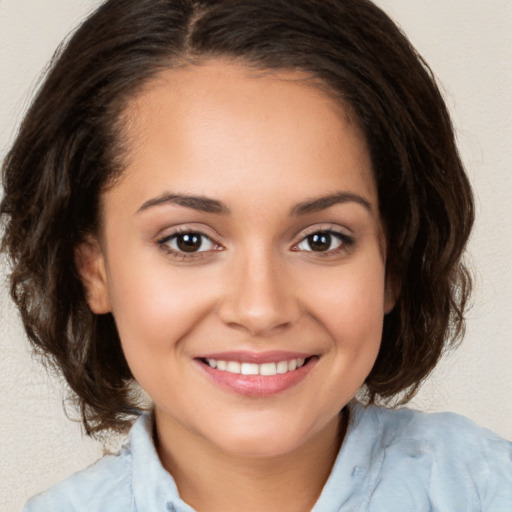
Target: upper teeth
x=256 y=369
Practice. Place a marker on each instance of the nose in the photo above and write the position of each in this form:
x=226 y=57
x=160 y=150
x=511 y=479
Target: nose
x=260 y=296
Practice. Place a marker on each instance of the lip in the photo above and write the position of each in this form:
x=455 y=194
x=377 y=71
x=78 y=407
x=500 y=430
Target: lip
x=257 y=385
x=241 y=356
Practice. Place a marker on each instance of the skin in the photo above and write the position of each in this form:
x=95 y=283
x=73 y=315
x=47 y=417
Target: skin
x=261 y=144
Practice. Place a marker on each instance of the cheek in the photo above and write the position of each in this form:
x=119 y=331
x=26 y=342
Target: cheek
x=156 y=307
x=350 y=300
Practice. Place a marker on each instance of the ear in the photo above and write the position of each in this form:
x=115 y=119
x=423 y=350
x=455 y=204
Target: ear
x=90 y=263
x=390 y=294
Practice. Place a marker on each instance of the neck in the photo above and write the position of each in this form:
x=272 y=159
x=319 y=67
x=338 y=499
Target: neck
x=211 y=480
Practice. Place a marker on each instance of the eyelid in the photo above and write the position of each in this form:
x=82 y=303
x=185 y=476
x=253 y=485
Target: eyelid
x=332 y=234
x=174 y=236
x=334 y=229
x=162 y=241
x=347 y=240
x=184 y=228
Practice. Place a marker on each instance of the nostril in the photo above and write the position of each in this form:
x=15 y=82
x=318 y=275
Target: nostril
x=259 y=301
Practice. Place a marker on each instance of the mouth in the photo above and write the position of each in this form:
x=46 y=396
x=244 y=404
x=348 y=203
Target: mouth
x=255 y=374
x=248 y=368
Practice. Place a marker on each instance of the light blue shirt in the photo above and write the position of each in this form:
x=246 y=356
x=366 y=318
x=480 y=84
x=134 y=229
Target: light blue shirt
x=390 y=461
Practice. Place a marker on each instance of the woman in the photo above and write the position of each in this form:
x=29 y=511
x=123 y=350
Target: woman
x=252 y=221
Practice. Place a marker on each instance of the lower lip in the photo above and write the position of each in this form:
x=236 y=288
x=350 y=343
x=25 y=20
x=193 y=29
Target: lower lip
x=258 y=385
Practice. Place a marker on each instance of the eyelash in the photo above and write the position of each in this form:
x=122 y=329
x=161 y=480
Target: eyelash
x=346 y=243
x=163 y=243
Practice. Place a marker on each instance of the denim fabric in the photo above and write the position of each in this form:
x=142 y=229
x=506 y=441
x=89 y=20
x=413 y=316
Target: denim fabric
x=390 y=461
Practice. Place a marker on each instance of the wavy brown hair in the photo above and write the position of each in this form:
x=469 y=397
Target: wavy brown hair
x=69 y=149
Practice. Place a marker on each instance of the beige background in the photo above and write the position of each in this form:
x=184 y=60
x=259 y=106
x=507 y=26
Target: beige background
x=468 y=43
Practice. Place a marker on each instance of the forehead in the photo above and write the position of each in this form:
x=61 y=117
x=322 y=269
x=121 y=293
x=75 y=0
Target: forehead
x=196 y=128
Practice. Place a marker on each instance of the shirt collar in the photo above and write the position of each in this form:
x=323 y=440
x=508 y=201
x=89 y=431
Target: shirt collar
x=154 y=488
x=353 y=467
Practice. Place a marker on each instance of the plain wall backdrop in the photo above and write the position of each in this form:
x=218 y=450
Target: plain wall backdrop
x=468 y=45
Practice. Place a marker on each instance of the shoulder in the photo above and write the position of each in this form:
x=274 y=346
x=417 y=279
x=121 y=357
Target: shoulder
x=132 y=480
x=445 y=434
x=448 y=455
x=102 y=487
x=108 y=485
x=436 y=427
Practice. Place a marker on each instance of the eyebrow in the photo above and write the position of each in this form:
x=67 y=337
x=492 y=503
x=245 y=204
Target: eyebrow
x=324 y=202
x=208 y=205
x=201 y=203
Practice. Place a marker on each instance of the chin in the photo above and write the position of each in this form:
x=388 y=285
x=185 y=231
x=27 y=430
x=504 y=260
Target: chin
x=260 y=447
x=267 y=440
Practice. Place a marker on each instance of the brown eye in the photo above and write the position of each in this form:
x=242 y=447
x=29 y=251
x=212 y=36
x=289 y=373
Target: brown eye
x=320 y=241
x=187 y=243
x=324 y=241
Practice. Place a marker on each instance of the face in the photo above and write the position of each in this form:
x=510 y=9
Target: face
x=241 y=255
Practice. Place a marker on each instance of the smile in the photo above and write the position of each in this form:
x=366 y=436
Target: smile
x=257 y=374
x=265 y=369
